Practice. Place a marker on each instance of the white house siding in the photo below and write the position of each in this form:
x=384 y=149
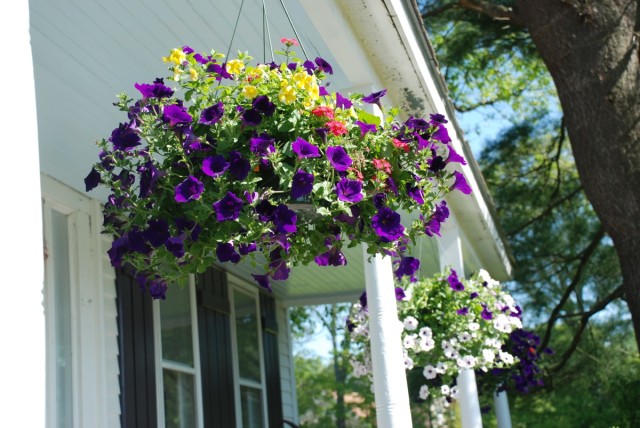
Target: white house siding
x=287 y=369
x=93 y=330
x=110 y=339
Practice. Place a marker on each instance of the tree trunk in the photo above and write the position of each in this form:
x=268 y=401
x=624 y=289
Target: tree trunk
x=592 y=51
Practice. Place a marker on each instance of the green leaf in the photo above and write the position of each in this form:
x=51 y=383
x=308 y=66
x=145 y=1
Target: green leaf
x=369 y=118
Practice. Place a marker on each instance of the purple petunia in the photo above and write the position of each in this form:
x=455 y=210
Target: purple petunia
x=212 y=115
x=333 y=257
x=324 y=65
x=441 y=213
x=365 y=127
x=245 y=249
x=338 y=158
x=155 y=90
x=262 y=144
x=441 y=134
x=278 y=265
x=263 y=281
x=265 y=210
x=374 y=98
x=251 y=117
x=157 y=232
x=302 y=184
x=304 y=149
x=214 y=166
x=149 y=175
x=92 y=180
x=454 y=282
x=176 y=115
x=349 y=219
x=263 y=105
x=437 y=118
x=175 y=245
x=284 y=219
x=239 y=167
x=461 y=183
x=125 y=137
x=486 y=313
x=228 y=208
x=190 y=189
x=463 y=311
x=408 y=266
x=343 y=102
x=400 y=294
x=349 y=190
x=386 y=224
x=454 y=156
x=225 y=252
x=415 y=193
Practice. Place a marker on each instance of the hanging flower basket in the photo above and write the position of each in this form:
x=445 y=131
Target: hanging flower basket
x=230 y=160
x=449 y=324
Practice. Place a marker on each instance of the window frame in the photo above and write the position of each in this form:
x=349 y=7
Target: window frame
x=161 y=364
x=237 y=285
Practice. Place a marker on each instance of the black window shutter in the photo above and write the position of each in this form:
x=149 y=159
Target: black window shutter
x=136 y=358
x=214 y=326
x=271 y=359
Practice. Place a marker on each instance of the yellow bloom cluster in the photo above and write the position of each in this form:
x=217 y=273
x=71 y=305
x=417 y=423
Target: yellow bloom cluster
x=177 y=57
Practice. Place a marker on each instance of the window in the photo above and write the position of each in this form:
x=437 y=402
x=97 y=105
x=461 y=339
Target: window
x=250 y=391
x=178 y=372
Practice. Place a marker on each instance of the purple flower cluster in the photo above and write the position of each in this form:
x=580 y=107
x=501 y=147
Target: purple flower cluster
x=235 y=163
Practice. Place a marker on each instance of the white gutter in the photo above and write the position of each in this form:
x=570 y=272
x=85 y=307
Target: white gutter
x=393 y=36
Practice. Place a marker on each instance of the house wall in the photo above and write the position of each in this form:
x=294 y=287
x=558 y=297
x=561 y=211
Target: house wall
x=94 y=387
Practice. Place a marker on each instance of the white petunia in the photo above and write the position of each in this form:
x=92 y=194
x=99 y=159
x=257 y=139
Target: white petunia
x=464 y=336
x=474 y=326
x=409 y=341
x=425 y=332
x=429 y=372
x=408 y=363
x=454 y=392
x=441 y=368
x=410 y=323
x=488 y=355
x=426 y=345
x=466 y=362
x=506 y=357
x=445 y=390
x=424 y=392
x=502 y=323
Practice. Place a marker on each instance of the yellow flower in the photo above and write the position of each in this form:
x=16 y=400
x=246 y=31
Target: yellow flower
x=287 y=93
x=235 y=66
x=193 y=73
x=314 y=91
x=250 y=91
x=177 y=57
x=302 y=79
x=177 y=72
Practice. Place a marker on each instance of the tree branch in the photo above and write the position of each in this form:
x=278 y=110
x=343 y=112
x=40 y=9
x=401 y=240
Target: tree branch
x=494 y=11
x=497 y=12
x=597 y=307
x=584 y=260
x=438 y=10
x=546 y=211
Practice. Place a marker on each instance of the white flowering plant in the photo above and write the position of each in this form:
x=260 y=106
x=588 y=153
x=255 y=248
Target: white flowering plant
x=448 y=324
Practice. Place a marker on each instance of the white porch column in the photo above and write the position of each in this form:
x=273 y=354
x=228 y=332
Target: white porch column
x=451 y=255
x=22 y=395
x=501 y=407
x=389 y=377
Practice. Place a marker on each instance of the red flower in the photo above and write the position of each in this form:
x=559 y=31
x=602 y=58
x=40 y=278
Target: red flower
x=382 y=165
x=401 y=145
x=337 y=128
x=323 y=111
